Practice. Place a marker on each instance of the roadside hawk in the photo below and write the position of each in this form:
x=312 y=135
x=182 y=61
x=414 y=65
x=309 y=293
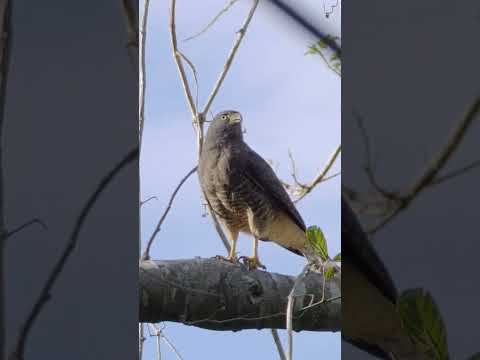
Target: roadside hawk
x=244 y=192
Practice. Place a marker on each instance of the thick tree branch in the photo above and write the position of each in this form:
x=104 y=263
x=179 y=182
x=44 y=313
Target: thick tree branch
x=217 y=295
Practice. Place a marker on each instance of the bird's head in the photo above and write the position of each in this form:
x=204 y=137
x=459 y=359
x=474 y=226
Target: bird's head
x=225 y=128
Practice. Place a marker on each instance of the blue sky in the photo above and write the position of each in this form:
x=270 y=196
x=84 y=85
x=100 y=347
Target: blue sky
x=288 y=101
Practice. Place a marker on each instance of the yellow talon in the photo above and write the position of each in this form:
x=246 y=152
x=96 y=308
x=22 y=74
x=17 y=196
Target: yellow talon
x=252 y=263
x=230 y=259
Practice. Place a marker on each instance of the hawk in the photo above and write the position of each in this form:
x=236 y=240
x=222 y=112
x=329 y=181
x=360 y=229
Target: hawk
x=244 y=192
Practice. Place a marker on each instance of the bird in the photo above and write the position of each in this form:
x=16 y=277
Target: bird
x=370 y=320
x=245 y=194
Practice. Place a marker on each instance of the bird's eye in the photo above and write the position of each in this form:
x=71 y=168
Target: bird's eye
x=224 y=117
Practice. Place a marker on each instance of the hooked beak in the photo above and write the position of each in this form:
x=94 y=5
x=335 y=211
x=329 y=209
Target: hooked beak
x=235 y=118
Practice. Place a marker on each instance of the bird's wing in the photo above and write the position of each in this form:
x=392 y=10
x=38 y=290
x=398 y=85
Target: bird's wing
x=357 y=249
x=260 y=173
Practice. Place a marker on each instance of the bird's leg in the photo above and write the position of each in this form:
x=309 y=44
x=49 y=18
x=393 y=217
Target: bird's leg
x=232 y=256
x=253 y=262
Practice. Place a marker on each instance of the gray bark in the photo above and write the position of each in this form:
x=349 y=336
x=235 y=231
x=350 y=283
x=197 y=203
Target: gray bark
x=217 y=295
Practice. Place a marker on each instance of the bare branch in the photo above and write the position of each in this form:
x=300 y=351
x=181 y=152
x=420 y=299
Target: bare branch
x=231 y=55
x=278 y=344
x=455 y=173
x=150 y=198
x=321 y=176
x=294 y=170
x=21 y=227
x=146 y=254
x=178 y=61
x=291 y=301
x=451 y=145
x=45 y=294
x=157 y=333
x=213 y=21
x=141 y=340
x=429 y=176
x=171 y=346
x=194 y=72
x=369 y=170
x=142 y=75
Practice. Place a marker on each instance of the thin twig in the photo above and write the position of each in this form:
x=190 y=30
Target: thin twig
x=456 y=173
x=194 y=72
x=142 y=75
x=321 y=176
x=231 y=55
x=428 y=177
x=451 y=145
x=146 y=254
x=171 y=346
x=150 y=198
x=45 y=294
x=369 y=166
x=294 y=170
x=21 y=227
x=328 y=63
x=178 y=61
x=278 y=343
x=213 y=21
x=290 y=305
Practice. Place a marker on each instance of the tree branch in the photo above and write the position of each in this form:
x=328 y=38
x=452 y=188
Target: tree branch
x=321 y=176
x=217 y=295
x=213 y=21
x=23 y=226
x=178 y=60
x=429 y=176
x=142 y=75
x=45 y=294
x=146 y=254
x=231 y=55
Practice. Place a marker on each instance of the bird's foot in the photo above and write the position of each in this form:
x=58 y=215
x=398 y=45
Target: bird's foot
x=252 y=263
x=230 y=259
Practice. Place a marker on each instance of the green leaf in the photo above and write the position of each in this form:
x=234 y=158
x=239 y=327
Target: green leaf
x=423 y=322
x=322 y=44
x=338 y=257
x=316 y=238
x=329 y=272
x=334 y=57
